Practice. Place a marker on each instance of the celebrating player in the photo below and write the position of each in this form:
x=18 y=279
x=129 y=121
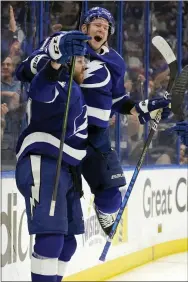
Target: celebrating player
x=104 y=92
x=37 y=154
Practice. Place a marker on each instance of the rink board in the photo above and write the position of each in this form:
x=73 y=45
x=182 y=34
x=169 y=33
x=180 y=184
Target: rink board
x=154 y=225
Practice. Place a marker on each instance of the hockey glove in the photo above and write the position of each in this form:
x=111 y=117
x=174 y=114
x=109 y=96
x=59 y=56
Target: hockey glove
x=181 y=128
x=62 y=47
x=144 y=108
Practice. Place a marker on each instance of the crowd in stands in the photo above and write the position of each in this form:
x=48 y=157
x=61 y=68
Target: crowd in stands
x=163 y=21
x=20 y=35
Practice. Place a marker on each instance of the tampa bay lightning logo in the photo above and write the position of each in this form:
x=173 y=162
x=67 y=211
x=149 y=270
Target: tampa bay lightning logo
x=92 y=68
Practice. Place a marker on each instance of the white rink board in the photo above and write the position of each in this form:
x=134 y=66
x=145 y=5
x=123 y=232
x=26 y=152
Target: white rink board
x=158 y=199
x=15 y=260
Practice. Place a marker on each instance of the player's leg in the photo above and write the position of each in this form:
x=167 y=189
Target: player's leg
x=35 y=179
x=68 y=251
x=44 y=261
x=75 y=225
x=104 y=175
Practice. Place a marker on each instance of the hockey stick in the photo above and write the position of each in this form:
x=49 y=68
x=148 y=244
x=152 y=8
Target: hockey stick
x=64 y=126
x=170 y=58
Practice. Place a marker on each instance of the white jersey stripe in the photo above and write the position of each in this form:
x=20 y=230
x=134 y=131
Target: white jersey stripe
x=82 y=136
x=62 y=267
x=98 y=113
x=118 y=99
x=46 y=266
x=35 y=61
x=56 y=94
x=50 y=139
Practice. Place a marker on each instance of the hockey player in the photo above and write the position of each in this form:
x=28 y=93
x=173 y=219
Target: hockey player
x=37 y=153
x=104 y=92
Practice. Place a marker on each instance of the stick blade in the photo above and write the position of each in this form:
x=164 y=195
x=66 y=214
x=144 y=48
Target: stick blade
x=163 y=47
x=166 y=51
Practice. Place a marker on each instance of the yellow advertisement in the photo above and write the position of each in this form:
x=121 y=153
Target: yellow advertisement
x=121 y=235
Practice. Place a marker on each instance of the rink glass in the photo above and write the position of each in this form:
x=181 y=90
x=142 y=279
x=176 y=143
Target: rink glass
x=30 y=22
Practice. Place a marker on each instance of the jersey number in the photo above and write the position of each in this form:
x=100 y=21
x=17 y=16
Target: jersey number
x=56 y=48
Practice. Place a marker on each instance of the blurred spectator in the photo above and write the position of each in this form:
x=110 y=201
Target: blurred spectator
x=185 y=54
x=8 y=29
x=112 y=120
x=134 y=129
x=4 y=111
x=64 y=15
x=10 y=44
x=159 y=21
x=10 y=88
x=15 y=52
x=10 y=115
x=151 y=88
x=164 y=147
x=161 y=78
x=164 y=158
x=183 y=157
x=134 y=85
x=128 y=85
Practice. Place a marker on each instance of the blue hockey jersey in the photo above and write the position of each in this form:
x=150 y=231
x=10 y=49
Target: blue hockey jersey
x=46 y=108
x=103 y=86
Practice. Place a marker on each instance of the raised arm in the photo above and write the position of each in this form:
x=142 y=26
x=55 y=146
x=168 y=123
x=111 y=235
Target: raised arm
x=60 y=47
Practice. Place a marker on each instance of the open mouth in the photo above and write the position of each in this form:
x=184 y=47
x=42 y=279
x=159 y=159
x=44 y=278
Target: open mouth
x=98 y=38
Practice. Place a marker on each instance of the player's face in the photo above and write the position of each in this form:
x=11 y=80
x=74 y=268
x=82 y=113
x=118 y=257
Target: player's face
x=98 y=30
x=79 y=69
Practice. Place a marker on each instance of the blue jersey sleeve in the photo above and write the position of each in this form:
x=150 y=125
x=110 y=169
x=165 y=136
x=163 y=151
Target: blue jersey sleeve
x=119 y=95
x=26 y=71
x=43 y=87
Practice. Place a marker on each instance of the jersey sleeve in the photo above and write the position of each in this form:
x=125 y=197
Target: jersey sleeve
x=43 y=85
x=26 y=71
x=119 y=94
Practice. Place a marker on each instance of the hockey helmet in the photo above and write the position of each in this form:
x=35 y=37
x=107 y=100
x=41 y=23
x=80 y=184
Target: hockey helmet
x=98 y=12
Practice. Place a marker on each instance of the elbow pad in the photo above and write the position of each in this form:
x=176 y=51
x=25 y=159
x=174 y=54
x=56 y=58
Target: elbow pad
x=127 y=107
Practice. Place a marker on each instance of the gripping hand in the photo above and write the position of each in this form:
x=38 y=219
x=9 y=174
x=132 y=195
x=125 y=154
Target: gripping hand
x=144 y=108
x=62 y=47
x=181 y=128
